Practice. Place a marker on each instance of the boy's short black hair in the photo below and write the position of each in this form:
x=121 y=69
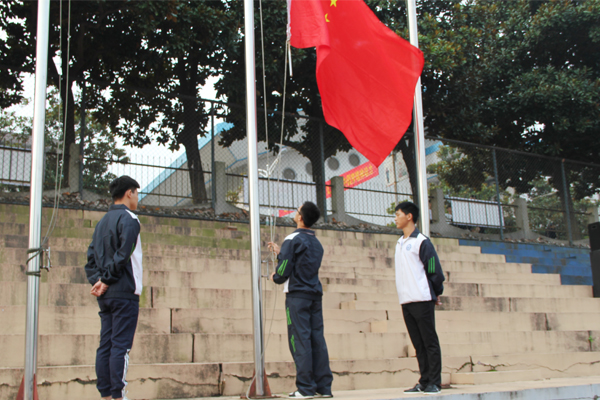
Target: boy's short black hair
x=409 y=208
x=310 y=213
x=119 y=186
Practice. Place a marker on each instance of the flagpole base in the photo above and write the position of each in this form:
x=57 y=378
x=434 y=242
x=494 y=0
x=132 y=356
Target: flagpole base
x=21 y=393
x=252 y=392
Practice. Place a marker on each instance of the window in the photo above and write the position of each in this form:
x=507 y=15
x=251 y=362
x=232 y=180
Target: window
x=354 y=160
x=333 y=163
x=289 y=174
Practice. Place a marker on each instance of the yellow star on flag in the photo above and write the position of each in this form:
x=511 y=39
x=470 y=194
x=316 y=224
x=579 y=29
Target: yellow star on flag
x=326 y=19
x=333 y=3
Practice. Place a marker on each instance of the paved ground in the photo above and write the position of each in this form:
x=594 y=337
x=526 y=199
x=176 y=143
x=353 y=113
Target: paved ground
x=548 y=389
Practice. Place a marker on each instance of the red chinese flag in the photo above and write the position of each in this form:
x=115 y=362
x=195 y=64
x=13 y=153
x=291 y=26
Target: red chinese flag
x=365 y=72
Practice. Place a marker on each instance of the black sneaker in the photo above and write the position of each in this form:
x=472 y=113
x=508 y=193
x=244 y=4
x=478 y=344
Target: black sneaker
x=323 y=395
x=432 y=389
x=415 y=390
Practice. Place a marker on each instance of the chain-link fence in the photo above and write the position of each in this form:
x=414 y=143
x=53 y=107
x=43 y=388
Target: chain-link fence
x=499 y=193
x=176 y=149
x=15 y=159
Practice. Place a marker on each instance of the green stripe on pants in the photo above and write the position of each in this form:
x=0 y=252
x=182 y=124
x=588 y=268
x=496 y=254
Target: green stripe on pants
x=293 y=343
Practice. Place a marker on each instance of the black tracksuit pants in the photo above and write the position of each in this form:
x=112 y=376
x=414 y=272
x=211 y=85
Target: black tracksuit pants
x=420 y=323
x=118 y=319
x=307 y=344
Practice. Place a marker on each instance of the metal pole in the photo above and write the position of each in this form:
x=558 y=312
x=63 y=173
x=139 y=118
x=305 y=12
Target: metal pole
x=35 y=206
x=498 y=195
x=251 y=126
x=81 y=138
x=213 y=188
x=322 y=179
x=567 y=194
x=419 y=130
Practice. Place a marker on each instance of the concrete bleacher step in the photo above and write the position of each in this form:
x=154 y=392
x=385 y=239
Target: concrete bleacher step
x=172 y=269
x=230 y=379
x=487 y=277
x=14 y=255
x=170 y=297
x=482 y=290
x=51 y=294
x=187 y=380
x=490 y=304
x=147 y=381
x=551 y=365
x=239 y=321
x=512 y=342
x=573 y=264
x=70 y=349
x=481 y=378
x=70 y=251
x=78 y=320
x=67 y=349
x=495 y=321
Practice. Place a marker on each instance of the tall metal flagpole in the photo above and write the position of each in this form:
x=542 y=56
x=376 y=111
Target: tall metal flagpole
x=35 y=205
x=251 y=126
x=418 y=126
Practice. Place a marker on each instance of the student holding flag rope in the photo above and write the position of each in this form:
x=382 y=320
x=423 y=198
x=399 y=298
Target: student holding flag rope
x=298 y=266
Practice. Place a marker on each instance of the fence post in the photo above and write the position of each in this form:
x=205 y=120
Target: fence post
x=395 y=176
x=81 y=139
x=213 y=187
x=338 y=204
x=74 y=166
x=438 y=207
x=567 y=194
x=221 y=204
x=322 y=179
x=337 y=195
x=522 y=217
x=500 y=219
x=593 y=217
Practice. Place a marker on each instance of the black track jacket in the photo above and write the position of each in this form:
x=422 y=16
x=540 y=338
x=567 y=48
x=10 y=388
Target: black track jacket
x=115 y=254
x=299 y=262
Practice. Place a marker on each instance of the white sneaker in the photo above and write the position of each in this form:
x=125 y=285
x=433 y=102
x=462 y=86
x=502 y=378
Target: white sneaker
x=298 y=395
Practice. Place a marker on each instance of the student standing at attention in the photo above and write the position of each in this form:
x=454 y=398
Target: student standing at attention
x=298 y=270
x=114 y=269
x=419 y=281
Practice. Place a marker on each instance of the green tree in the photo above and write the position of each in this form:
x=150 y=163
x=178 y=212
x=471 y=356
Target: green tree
x=101 y=36
x=545 y=220
x=180 y=47
x=517 y=74
x=100 y=146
